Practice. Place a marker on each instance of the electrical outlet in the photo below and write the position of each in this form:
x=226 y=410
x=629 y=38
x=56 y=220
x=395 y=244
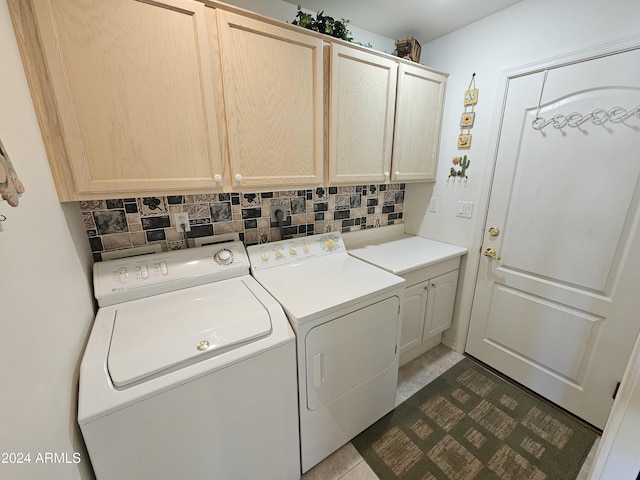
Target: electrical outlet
x=182 y=222
x=274 y=209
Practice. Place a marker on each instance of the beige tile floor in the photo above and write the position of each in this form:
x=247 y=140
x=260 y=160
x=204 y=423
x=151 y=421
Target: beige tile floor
x=347 y=464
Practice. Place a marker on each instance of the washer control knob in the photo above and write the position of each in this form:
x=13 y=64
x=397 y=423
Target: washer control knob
x=223 y=257
x=122 y=274
x=144 y=271
x=164 y=268
x=264 y=256
x=279 y=254
x=329 y=243
x=305 y=248
x=293 y=250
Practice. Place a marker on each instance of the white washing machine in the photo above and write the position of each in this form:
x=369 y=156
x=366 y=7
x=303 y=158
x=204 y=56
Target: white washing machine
x=189 y=372
x=347 y=318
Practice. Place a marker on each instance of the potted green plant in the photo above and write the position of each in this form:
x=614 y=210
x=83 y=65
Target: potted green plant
x=323 y=24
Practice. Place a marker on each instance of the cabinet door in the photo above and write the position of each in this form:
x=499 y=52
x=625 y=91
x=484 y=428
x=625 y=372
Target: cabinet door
x=130 y=95
x=442 y=297
x=415 y=308
x=273 y=90
x=417 y=126
x=362 y=106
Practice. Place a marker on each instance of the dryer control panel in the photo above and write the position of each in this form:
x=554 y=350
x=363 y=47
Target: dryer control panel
x=130 y=278
x=295 y=250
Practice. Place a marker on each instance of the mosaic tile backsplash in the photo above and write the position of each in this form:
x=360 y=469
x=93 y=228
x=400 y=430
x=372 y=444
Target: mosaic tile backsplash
x=134 y=222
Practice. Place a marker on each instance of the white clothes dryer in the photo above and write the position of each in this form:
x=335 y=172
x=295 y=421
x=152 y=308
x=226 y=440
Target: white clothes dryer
x=347 y=318
x=189 y=372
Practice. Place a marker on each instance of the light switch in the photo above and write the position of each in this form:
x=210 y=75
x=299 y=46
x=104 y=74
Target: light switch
x=433 y=204
x=465 y=209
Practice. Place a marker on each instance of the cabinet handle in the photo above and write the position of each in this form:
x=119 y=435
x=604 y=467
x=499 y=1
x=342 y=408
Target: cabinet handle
x=386 y=175
x=397 y=173
x=217 y=178
x=238 y=178
x=433 y=285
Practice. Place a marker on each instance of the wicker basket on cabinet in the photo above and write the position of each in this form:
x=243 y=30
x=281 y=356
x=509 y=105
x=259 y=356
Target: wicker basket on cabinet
x=408 y=48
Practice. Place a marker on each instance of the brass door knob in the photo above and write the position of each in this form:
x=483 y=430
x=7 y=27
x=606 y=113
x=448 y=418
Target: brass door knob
x=491 y=253
x=494 y=231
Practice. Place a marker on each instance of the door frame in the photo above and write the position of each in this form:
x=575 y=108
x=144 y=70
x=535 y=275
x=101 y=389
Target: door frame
x=620 y=435
x=601 y=50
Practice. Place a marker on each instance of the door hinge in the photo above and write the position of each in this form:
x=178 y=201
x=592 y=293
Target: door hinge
x=615 y=392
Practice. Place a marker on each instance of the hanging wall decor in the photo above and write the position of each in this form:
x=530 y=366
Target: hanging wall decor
x=459 y=169
x=467 y=119
x=471 y=95
x=464 y=140
x=469 y=116
x=10 y=185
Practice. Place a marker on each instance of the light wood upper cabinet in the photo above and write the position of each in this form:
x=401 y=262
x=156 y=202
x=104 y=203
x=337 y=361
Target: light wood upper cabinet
x=362 y=105
x=148 y=97
x=417 y=125
x=385 y=118
x=124 y=94
x=273 y=90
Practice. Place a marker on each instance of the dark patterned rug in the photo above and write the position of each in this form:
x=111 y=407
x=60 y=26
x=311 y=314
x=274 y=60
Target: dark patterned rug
x=469 y=424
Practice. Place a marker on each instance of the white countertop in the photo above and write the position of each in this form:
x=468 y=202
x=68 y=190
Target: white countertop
x=397 y=252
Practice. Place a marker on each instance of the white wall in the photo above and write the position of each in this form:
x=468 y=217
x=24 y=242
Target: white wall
x=46 y=303
x=528 y=32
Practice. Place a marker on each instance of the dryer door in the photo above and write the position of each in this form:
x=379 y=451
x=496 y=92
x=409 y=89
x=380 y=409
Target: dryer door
x=347 y=351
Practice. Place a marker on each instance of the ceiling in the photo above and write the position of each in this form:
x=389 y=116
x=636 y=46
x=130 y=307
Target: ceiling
x=424 y=20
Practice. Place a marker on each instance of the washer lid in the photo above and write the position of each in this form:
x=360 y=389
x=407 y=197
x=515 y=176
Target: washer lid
x=166 y=332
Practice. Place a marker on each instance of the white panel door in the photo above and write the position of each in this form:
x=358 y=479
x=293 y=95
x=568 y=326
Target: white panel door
x=558 y=308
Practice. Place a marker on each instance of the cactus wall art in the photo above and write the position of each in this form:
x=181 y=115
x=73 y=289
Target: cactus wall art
x=459 y=169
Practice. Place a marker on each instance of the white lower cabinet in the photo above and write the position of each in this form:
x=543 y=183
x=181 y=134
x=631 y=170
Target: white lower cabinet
x=428 y=309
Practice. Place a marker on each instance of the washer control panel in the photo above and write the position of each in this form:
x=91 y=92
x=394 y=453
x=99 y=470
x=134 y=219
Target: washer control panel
x=285 y=252
x=130 y=278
